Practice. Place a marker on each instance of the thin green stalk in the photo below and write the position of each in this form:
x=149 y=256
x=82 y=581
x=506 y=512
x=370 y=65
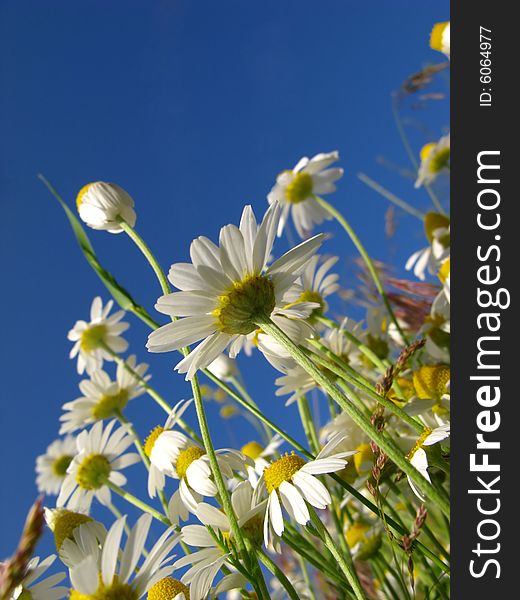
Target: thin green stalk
x=306 y=577
x=347 y=569
x=141 y=244
x=366 y=258
x=343 y=370
x=139 y=503
x=391 y=197
x=393 y=452
x=308 y=424
x=278 y=573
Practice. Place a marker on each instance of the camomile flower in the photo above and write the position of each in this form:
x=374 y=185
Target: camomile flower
x=51 y=467
x=100 y=205
x=207 y=562
x=440 y=38
x=45 y=589
x=435 y=157
x=91 y=339
x=315 y=285
x=101 y=454
x=63 y=523
x=291 y=482
x=430 y=258
x=103 y=398
x=418 y=457
x=226 y=289
x=295 y=189
x=106 y=572
x=259 y=455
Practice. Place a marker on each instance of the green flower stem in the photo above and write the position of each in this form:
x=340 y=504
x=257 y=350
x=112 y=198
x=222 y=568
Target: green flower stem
x=307 y=578
x=347 y=568
x=391 y=197
x=364 y=255
x=370 y=354
x=308 y=424
x=141 y=244
x=343 y=370
x=139 y=503
x=393 y=452
x=346 y=486
x=278 y=573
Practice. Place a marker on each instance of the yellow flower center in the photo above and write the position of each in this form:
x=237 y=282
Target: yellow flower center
x=439 y=159
x=433 y=221
x=430 y=381
x=167 y=589
x=114 y=591
x=436 y=36
x=151 y=439
x=426 y=150
x=252 y=450
x=444 y=270
x=226 y=412
x=110 y=405
x=186 y=457
x=92 y=337
x=61 y=464
x=243 y=303
x=419 y=443
x=312 y=296
x=81 y=194
x=356 y=533
x=64 y=524
x=299 y=189
x=93 y=472
x=363 y=459
x=282 y=470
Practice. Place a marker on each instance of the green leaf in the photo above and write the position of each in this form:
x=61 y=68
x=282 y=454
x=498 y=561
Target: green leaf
x=118 y=292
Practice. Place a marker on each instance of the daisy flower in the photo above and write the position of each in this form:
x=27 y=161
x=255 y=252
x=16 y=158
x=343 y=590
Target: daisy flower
x=101 y=454
x=63 y=523
x=430 y=258
x=51 y=467
x=316 y=284
x=207 y=562
x=259 y=455
x=106 y=572
x=435 y=157
x=90 y=339
x=226 y=289
x=295 y=190
x=100 y=205
x=291 y=482
x=440 y=38
x=418 y=457
x=103 y=398
x=175 y=455
x=45 y=589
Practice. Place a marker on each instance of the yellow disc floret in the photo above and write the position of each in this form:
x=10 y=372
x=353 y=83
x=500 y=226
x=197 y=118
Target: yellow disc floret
x=299 y=189
x=109 y=405
x=151 y=439
x=252 y=450
x=167 y=589
x=186 y=457
x=114 y=591
x=444 y=270
x=426 y=150
x=419 y=443
x=437 y=36
x=433 y=221
x=363 y=459
x=282 y=470
x=93 y=472
x=64 y=523
x=81 y=194
x=61 y=464
x=356 y=533
x=243 y=303
x=93 y=337
x=430 y=381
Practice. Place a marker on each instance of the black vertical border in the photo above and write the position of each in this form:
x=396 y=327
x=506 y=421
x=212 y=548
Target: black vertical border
x=476 y=129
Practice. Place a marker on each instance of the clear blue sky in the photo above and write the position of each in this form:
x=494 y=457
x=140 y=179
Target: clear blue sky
x=193 y=107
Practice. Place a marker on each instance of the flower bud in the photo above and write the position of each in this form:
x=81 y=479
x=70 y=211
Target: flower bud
x=100 y=205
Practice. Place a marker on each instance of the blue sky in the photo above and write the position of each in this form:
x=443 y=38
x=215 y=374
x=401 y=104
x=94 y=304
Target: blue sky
x=193 y=107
